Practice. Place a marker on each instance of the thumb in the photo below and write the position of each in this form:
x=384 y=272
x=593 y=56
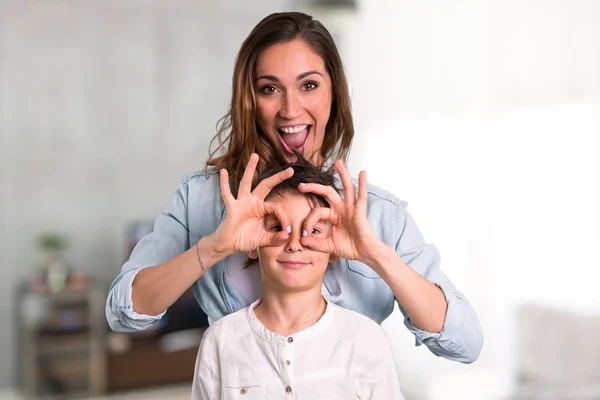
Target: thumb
x=275 y=238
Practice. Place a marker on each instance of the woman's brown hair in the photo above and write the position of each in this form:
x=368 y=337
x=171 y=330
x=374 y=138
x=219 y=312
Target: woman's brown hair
x=238 y=134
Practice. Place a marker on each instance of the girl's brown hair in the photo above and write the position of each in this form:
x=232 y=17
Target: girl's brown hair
x=238 y=134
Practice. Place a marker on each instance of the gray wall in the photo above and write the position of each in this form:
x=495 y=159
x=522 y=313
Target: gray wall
x=103 y=107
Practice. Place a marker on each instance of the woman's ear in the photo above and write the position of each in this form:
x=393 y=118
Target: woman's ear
x=253 y=254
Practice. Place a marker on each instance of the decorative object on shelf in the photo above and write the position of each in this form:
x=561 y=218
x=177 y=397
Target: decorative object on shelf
x=55 y=271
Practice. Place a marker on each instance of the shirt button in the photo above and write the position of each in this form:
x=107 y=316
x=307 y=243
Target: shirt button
x=290 y=339
x=287 y=362
x=243 y=391
x=288 y=389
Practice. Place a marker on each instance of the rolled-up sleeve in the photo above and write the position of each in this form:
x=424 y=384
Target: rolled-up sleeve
x=461 y=337
x=170 y=237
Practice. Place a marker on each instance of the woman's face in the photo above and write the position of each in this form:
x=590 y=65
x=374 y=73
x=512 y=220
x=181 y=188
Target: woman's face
x=293 y=98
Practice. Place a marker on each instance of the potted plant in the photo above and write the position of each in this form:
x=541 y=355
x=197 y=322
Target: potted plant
x=55 y=271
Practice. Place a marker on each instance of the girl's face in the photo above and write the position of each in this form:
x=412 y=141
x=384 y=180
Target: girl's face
x=291 y=267
x=293 y=98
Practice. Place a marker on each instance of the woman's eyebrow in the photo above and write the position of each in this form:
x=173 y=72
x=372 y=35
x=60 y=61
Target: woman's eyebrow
x=303 y=75
x=308 y=73
x=268 y=77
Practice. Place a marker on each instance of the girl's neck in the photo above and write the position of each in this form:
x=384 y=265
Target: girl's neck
x=287 y=313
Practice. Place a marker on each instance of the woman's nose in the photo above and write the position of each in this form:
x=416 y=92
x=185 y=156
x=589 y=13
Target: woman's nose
x=290 y=107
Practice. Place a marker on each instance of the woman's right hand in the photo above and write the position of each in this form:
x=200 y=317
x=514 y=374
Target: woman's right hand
x=243 y=230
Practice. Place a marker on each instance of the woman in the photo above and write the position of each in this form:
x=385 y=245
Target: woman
x=289 y=95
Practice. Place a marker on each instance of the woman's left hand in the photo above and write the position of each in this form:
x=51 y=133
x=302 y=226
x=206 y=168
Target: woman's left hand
x=351 y=237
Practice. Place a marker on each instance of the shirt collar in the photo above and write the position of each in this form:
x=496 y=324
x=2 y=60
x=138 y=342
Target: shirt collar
x=304 y=334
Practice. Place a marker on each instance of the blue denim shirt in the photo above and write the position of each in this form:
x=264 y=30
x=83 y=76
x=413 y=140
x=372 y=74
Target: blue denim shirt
x=196 y=209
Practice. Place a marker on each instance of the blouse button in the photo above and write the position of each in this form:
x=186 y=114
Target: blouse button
x=288 y=389
x=243 y=391
x=290 y=339
x=287 y=362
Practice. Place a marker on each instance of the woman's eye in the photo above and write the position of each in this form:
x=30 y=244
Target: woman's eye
x=268 y=89
x=316 y=231
x=311 y=85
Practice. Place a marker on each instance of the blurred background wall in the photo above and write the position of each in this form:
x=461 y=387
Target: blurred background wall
x=483 y=115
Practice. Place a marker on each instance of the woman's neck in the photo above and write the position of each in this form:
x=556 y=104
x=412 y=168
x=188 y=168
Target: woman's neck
x=287 y=313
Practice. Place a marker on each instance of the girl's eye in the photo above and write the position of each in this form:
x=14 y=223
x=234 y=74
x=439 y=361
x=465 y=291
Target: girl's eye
x=275 y=228
x=316 y=231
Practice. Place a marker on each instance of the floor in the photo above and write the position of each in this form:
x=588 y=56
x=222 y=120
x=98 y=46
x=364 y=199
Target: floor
x=180 y=392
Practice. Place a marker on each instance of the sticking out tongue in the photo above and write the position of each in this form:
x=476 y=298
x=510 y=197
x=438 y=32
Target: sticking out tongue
x=294 y=140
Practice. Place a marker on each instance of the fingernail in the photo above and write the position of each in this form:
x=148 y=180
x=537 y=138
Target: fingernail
x=303 y=184
x=304 y=233
x=288 y=229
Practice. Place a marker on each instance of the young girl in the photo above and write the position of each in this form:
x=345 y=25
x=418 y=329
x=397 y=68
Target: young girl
x=292 y=343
